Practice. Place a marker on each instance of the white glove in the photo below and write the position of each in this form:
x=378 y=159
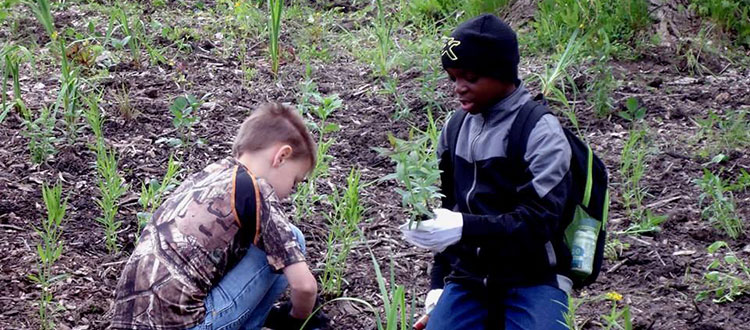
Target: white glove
x=431 y=300
x=436 y=234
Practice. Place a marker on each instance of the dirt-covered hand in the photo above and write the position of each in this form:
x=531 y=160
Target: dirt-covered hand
x=436 y=234
x=280 y=318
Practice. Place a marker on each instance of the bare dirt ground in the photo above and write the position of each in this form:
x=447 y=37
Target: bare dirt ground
x=659 y=275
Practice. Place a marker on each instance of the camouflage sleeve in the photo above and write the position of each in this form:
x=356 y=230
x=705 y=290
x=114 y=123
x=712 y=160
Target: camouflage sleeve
x=277 y=238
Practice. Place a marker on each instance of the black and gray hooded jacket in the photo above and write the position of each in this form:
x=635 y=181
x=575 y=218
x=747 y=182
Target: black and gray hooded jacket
x=512 y=232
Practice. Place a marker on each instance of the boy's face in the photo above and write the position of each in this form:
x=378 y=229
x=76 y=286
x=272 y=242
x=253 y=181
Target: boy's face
x=285 y=172
x=476 y=93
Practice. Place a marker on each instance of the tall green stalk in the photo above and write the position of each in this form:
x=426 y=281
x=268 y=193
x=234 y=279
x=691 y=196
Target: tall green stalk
x=274 y=27
x=111 y=188
x=49 y=249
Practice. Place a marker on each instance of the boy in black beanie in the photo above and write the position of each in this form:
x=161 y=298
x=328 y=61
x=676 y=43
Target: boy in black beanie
x=498 y=238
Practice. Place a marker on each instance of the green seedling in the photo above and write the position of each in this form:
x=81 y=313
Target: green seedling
x=49 y=249
x=553 y=81
x=11 y=56
x=153 y=193
x=724 y=134
x=40 y=132
x=342 y=233
x=632 y=169
x=633 y=111
x=719 y=205
x=416 y=169
x=111 y=188
x=728 y=275
x=184 y=110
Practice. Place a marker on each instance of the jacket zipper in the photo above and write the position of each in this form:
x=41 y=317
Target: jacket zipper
x=473 y=160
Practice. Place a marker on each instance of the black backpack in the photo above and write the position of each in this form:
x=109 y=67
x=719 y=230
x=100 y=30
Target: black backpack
x=589 y=195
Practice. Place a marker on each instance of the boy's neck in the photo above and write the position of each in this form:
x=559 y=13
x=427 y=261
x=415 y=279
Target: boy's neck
x=251 y=161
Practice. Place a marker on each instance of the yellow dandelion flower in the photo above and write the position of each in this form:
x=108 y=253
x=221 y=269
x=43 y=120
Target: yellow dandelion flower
x=237 y=4
x=613 y=295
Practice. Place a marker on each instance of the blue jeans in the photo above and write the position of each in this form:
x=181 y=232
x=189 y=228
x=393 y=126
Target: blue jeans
x=244 y=296
x=528 y=308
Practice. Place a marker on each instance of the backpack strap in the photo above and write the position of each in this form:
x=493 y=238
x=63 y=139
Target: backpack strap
x=452 y=129
x=518 y=137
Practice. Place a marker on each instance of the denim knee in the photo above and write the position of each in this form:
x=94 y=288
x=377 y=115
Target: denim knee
x=300 y=238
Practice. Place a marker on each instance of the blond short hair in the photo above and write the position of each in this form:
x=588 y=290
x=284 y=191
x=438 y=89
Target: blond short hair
x=275 y=123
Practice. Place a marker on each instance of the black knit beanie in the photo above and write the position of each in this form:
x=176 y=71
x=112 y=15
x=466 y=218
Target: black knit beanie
x=484 y=45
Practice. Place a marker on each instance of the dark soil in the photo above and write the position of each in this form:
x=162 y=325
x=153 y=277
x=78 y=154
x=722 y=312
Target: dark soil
x=658 y=275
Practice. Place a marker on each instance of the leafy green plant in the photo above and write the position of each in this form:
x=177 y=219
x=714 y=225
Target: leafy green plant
x=184 y=110
x=553 y=79
x=732 y=15
x=633 y=111
x=728 y=276
x=632 y=169
x=724 y=134
x=132 y=29
x=618 y=317
x=416 y=169
x=306 y=194
x=49 y=249
x=601 y=89
x=614 y=248
x=274 y=27
x=40 y=132
x=111 y=188
x=153 y=192
x=342 y=233
x=719 y=209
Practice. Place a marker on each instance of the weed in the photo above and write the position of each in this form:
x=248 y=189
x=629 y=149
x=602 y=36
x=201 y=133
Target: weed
x=111 y=188
x=184 y=111
x=633 y=111
x=40 y=132
x=552 y=80
x=11 y=57
x=274 y=27
x=306 y=195
x=416 y=169
x=49 y=249
x=383 y=30
x=132 y=33
x=728 y=276
x=633 y=168
x=452 y=9
x=570 y=315
x=614 y=248
x=601 y=89
x=611 y=25
x=94 y=116
x=153 y=192
x=720 y=209
x=342 y=233
x=618 y=318
x=122 y=98
x=724 y=134
x=732 y=15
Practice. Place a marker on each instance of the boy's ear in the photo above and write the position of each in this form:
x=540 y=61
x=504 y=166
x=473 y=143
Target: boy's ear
x=284 y=152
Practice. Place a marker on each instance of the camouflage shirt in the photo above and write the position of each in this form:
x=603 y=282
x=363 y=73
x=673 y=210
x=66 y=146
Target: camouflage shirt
x=200 y=232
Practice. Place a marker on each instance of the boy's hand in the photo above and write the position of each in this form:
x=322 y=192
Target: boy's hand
x=280 y=318
x=436 y=234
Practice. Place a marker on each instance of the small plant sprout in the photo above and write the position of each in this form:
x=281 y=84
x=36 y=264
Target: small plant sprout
x=40 y=132
x=719 y=205
x=416 y=169
x=184 y=110
x=633 y=111
x=153 y=193
x=342 y=233
x=275 y=8
x=49 y=249
x=111 y=187
x=11 y=57
x=728 y=275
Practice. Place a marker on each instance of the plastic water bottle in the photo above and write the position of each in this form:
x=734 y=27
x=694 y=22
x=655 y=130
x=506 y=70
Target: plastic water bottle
x=584 y=246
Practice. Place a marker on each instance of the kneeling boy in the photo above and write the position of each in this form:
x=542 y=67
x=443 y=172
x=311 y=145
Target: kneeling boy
x=213 y=253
